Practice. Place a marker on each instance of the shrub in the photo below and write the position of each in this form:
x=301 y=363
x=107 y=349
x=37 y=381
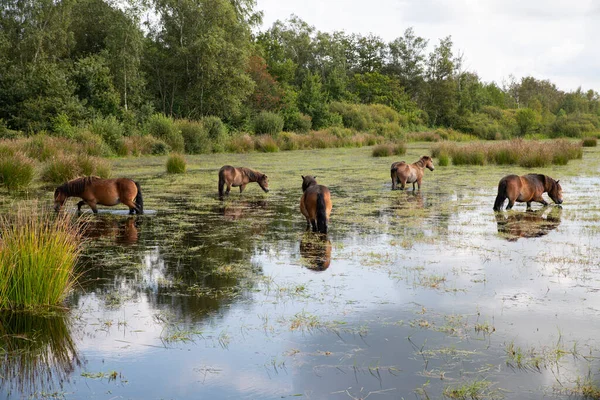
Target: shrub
x=164 y=128
x=60 y=169
x=109 y=129
x=423 y=137
x=382 y=150
x=16 y=171
x=217 y=133
x=93 y=145
x=138 y=145
x=399 y=148
x=266 y=144
x=38 y=254
x=443 y=160
x=240 y=144
x=61 y=126
x=176 y=164
x=589 y=142
x=575 y=125
x=93 y=166
x=297 y=122
x=195 y=136
x=288 y=141
x=268 y=123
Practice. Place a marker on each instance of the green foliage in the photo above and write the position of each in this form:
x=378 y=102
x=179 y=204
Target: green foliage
x=217 y=132
x=38 y=254
x=176 y=164
x=297 y=122
x=164 y=128
x=575 y=125
x=195 y=136
x=268 y=123
x=590 y=142
x=109 y=129
x=16 y=171
x=443 y=160
x=266 y=144
x=527 y=120
x=311 y=101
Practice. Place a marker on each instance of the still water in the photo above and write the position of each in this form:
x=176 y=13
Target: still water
x=411 y=295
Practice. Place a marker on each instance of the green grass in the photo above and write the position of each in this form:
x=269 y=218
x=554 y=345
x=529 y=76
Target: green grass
x=176 y=164
x=590 y=142
x=16 y=171
x=38 y=253
x=67 y=167
x=469 y=391
x=388 y=149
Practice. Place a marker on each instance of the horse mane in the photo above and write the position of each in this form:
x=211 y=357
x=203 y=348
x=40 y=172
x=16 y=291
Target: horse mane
x=421 y=161
x=252 y=175
x=76 y=186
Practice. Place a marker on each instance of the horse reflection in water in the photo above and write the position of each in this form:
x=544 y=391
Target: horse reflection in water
x=241 y=209
x=315 y=252
x=38 y=353
x=121 y=230
x=528 y=224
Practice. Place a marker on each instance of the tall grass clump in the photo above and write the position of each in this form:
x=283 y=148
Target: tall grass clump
x=382 y=150
x=176 y=164
x=590 y=142
x=66 y=167
x=443 y=160
x=38 y=253
x=266 y=144
x=16 y=171
x=268 y=123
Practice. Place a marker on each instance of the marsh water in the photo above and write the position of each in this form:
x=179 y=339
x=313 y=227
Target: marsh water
x=411 y=295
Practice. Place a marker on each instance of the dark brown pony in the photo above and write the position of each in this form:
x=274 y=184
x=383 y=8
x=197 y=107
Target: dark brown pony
x=527 y=188
x=240 y=176
x=315 y=204
x=530 y=224
x=403 y=173
x=106 y=192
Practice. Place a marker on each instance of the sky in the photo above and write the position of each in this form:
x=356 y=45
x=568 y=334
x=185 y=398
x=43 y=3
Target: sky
x=547 y=39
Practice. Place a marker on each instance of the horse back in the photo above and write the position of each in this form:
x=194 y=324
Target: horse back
x=308 y=201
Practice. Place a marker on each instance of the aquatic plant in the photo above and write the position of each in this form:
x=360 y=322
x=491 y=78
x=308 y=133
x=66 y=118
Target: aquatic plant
x=38 y=253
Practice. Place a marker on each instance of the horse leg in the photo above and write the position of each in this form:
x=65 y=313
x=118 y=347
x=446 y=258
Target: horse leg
x=511 y=203
x=402 y=184
x=313 y=222
x=132 y=206
x=81 y=203
x=540 y=199
x=228 y=189
x=242 y=187
x=92 y=205
x=529 y=206
x=307 y=224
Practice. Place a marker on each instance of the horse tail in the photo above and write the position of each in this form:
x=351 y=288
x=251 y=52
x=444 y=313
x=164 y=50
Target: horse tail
x=139 y=200
x=321 y=214
x=221 y=183
x=502 y=186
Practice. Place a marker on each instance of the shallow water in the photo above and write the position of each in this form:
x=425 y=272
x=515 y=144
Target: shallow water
x=411 y=295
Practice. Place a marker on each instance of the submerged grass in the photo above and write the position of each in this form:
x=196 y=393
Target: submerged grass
x=38 y=253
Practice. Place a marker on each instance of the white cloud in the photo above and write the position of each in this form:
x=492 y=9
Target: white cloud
x=548 y=39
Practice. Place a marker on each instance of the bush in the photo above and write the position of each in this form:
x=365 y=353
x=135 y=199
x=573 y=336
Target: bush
x=164 y=128
x=575 y=125
x=176 y=164
x=38 y=254
x=382 y=150
x=268 y=123
x=195 y=136
x=443 y=160
x=16 y=171
x=93 y=145
x=297 y=122
x=241 y=144
x=589 y=142
x=217 y=133
x=266 y=144
x=109 y=129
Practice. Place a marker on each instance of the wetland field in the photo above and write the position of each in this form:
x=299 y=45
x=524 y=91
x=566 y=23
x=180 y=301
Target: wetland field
x=412 y=295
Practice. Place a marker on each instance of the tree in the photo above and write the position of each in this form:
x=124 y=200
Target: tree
x=407 y=61
x=527 y=120
x=311 y=100
x=441 y=90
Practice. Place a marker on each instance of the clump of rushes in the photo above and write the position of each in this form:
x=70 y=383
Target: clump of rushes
x=38 y=253
x=176 y=164
x=382 y=150
x=16 y=171
x=590 y=142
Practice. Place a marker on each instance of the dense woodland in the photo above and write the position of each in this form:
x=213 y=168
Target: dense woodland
x=68 y=64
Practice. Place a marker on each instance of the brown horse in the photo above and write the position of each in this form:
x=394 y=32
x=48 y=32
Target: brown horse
x=240 y=176
x=403 y=173
x=527 y=188
x=106 y=192
x=315 y=204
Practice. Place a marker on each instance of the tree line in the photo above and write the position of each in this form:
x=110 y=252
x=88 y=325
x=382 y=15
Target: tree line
x=67 y=62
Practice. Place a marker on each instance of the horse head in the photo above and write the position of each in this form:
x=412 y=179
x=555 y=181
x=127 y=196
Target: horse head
x=428 y=163
x=60 y=197
x=263 y=182
x=308 y=181
x=555 y=191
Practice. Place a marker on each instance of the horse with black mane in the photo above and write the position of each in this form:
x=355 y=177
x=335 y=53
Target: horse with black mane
x=403 y=173
x=526 y=189
x=107 y=192
x=315 y=204
x=240 y=176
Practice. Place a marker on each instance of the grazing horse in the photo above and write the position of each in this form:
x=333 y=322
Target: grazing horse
x=107 y=192
x=403 y=173
x=240 y=176
x=315 y=204
x=527 y=188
